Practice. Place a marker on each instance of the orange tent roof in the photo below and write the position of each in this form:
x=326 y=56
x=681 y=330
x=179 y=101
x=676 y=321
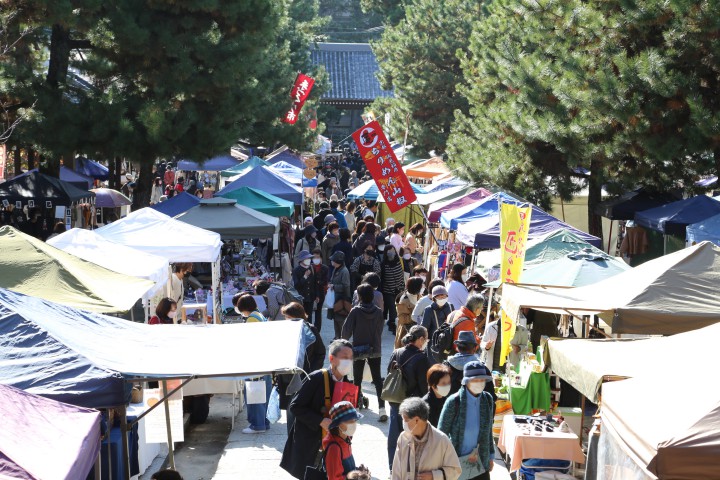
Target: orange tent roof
x=428 y=169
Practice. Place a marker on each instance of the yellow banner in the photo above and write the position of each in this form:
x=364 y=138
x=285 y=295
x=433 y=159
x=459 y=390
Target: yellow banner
x=514 y=226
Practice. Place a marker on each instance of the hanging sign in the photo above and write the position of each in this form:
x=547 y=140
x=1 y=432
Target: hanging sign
x=299 y=93
x=384 y=166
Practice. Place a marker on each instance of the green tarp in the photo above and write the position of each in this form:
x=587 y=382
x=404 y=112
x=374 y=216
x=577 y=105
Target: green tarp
x=251 y=162
x=261 y=201
x=32 y=267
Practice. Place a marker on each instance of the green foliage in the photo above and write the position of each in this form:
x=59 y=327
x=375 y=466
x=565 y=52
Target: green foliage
x=419 y=59
x=392 y=11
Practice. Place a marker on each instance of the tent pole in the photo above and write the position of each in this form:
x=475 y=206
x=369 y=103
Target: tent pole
x=98 y=464
x=489 y=309
x=124 y=441
x=171 y=453
x=609 y=236
x=582 y=419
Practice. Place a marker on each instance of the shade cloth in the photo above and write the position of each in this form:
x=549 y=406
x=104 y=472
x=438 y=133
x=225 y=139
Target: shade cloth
x=369 y=190
x=706 y=230
x=91 y=168
x=671 y=294
x=215 y=164
x=261 y=201
x=83 y=182
x=90 y=246
x=41 y=188
x=230 y=220
x=673 y=218
x=42 y=438
x=109 y=198
x=181 y=202
x=283 y=154
x=436 y=209
x=575 y=270
x=267 y=180
x=33 y=267
x=153 y=232
x=626 y=206
x=251 y=162
x=428 y=168
x=446 y=181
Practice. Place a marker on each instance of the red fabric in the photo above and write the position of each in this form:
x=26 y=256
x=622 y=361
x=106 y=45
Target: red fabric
x=334 y=456
x=179 y=187
x=345 y=391
x=154 y=320
x=169 y=177
x=300 y=91
x=467 y=325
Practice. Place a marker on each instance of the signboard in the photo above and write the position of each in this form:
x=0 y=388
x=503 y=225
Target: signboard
x=299 y=93
x=384 y=166
x=309 y=173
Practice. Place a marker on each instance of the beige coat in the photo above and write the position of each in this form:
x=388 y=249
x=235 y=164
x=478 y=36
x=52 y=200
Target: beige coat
x=404 y=321
x=437 y=456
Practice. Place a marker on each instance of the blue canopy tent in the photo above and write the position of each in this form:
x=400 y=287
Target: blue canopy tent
x=215 y=164
x=293 y=173
x=180 y=203
x=74 y=178
x=369 y=190
x=486 y=206
x=708 y=229
x=267 y=180
x=91 y=168
x=673 y=218
x=484 y=232
x=287 y=156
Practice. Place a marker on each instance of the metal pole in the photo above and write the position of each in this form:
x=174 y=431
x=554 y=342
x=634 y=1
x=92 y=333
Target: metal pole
x=124 y=440
x=609 y=236
x=487 y=318
x=171 y=454
x=98 y=464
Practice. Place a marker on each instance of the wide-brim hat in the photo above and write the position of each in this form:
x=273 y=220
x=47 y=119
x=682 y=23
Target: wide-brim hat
x=329 y=219
x=466 y=336
x=304 y=255
x=343 y=412
x=475 y=371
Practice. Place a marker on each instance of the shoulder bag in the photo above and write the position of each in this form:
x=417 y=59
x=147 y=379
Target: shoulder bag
x=394 y=388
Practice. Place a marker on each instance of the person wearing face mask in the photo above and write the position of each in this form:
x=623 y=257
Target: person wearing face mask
x=337 y=444
x=467 y=419
x=423 y=452
x=321 y=275
x=435 y=315
x=165 y=312
x=331 y=239
x=457 y=291
x=411 y=242
x=304 y=280
x=364 y=264
x=365 y=240
x=310 y=408
x=408 y=262
x=308 y=242
x=438 y=379
x=467 y=348
x=340 y=284
x=263 y=250
x=380 y=247
x=422 y=272
x=405 y=304
x=393 y=282
x=177 y=284
x=396 y=238
x=466 y=317
x=413 y=364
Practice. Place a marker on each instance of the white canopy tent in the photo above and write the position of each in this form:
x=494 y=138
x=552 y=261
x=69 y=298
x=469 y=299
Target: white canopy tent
x=90 y=246
x=153 y=232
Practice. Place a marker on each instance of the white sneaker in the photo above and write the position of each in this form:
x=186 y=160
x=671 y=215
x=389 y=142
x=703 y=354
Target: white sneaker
x=250 y=430
x=383 y=415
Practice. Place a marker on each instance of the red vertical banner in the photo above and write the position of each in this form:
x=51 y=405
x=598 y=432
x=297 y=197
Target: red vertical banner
x=299 y=93
x=384 y=166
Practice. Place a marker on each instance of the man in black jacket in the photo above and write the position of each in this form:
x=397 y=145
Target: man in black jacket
x=310 y=407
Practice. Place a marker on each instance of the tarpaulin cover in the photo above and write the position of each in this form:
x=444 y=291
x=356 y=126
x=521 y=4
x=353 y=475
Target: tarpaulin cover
x=153 y=232
x=139 y=350
x=369 y=190
x=42 y=438
x=575 y=270
x=251 y=162
x=215 y=164
x=293 y=174
x=485 y=231
x=708 y=229
x=181 y=202
x=262 y=202
x=269 y=181
x=41 y=188
x=447 y=181
x=481 y=208
x=668 y=295
x=33 y=267
x=232 y=221
x=91 y=168
x=673 y=218
x=94 y=248
x=626 y=206
x=83 y=182
x=284 y=154
x=437 y=209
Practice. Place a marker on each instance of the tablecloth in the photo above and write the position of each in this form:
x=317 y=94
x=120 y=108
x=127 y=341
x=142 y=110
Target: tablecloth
x=147 y=452
x=535 y=396
x=555 y=445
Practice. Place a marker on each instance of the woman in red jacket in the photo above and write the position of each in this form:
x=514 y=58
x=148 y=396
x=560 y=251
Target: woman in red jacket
x=165 y=312
x=337 y=446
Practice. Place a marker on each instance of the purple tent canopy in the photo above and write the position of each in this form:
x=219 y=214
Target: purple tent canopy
x=109 y=198
x=43 y=438
x=472 y=197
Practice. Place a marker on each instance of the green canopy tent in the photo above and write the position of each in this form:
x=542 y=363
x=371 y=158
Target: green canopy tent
x=32 y=267
x=261 y=201
x=251 y=162
x=232 y=221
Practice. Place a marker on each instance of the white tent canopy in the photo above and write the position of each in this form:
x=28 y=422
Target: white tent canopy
x=90 y=246
x=153 y=232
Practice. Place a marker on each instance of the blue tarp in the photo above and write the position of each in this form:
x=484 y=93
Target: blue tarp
x=215 y=164
x=265 y=179
x=486 y=206
x=625 y=207
x=91 y=168
x=180 y=203
x=708 y=229
x=673 y=218
x=287 y=156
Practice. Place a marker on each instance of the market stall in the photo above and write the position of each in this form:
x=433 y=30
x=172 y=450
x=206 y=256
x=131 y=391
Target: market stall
x=31 y=446
x=250 y=163
x=436 y=209
x=706 y=230
x=32 y=267
x=369 y=191
x=293 y=174
x=284 y=154
x=269 y=181
x=179 y=203
x=261 y=201
x=486 y=206
x=230 y=220
x=91 y=168
x=215 y=164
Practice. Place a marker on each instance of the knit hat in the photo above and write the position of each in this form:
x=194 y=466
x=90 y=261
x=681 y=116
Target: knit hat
x=329 y=218
x=475 y=370
x=338 y=257
x=343 y=412
x=466 y=336
x=439 y=290
x=304 y=255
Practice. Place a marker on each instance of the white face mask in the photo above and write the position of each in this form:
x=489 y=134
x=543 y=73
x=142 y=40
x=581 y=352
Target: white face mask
x=423 y=276
x=172 y=314
x=476 y=388
x=406 y=256
x=381 y=248
x=317 y=261
x=406 y=427
x=441 y=302
x=443 y=390
x=345 y=367
x=350 y=429
x=305 y=263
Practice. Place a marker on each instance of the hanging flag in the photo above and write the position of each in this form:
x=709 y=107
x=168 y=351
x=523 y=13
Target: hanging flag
x=383 y=166
x=299 y=93
x=514 y=226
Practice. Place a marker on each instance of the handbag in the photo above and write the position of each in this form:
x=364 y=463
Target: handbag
x=342 y=307
x=273 y=408
x=394 y=388
x=318 y=472
x=255 y=391
x=361 y=352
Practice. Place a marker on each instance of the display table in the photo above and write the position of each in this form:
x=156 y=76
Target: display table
x=147 y=452
x=535 y=396
x=552 y=446
x=192 y=307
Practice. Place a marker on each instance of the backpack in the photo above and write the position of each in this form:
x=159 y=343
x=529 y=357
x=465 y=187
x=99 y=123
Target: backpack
x=442 y=339
x=283 y=295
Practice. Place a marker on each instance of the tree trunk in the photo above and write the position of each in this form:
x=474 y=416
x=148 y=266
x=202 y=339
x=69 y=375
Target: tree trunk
x=594 y=198
x=114 y=174
x=143 y=186
x=17 y=161
x=59 y=56
x=716 y=154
